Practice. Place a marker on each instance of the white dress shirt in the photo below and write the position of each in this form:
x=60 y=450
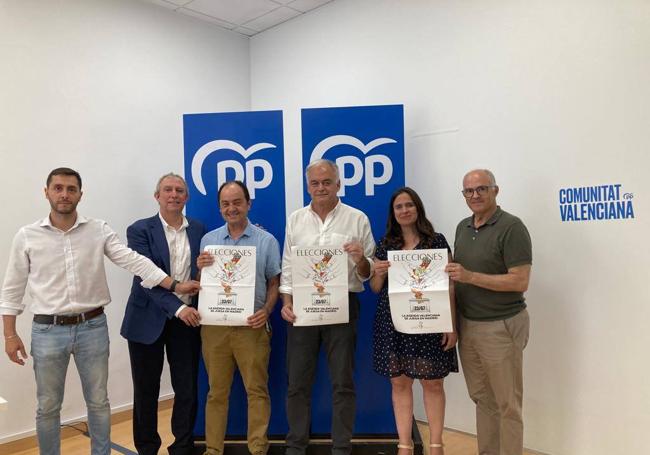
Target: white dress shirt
x=343 y=224
x=179 y=255
x=65 y=270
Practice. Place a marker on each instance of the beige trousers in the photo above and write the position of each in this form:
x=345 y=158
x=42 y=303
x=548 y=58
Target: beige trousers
x=491 y=353
x=248 y=349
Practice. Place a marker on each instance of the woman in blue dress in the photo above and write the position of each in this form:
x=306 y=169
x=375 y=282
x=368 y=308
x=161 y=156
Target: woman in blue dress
x=404 y=357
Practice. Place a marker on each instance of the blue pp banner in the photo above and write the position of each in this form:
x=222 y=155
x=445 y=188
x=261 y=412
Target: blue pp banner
x=246 y=146
x=367 y=143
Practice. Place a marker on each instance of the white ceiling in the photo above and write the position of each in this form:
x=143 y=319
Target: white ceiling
x=247 y=17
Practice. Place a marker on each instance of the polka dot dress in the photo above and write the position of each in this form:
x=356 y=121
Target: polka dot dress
x=416 y=356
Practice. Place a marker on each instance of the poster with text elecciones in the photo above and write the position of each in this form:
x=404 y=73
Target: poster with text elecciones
x=418 y=290
x=320 y=285
x=227 y=295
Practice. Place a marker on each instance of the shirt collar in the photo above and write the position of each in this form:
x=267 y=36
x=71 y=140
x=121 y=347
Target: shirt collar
x=248 y=231
x=330 y=213
x=166 y=225
x=46 y=222
x=493 y=219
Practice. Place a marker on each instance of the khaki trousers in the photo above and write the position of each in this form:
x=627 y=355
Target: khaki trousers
x=248 y=349
x=491 y=353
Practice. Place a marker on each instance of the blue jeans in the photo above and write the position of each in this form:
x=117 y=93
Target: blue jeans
x=51 y=349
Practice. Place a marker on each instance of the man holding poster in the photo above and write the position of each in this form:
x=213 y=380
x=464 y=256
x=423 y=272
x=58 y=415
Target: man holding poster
x=242 y=251
x=493 y=257
x=323 y=230
x=158 y=322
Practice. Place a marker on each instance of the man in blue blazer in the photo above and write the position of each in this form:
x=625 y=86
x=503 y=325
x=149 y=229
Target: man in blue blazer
x=158 y=320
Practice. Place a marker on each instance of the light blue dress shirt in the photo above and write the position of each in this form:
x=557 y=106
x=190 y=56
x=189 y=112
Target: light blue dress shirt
x=267 y=250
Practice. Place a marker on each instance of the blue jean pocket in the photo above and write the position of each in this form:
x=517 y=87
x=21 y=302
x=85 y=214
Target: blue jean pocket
x=96 y=322
x=41 y=328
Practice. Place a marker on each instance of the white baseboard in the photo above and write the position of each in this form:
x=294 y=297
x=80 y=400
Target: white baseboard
x=82 y=418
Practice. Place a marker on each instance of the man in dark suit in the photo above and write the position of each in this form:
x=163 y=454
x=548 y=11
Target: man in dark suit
x=157 y=320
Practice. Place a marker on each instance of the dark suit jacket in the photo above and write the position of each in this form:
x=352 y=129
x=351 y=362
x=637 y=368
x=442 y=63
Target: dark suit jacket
x=147 y=310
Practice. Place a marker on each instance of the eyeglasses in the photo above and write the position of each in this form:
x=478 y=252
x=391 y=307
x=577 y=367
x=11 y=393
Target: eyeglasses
x=479 y=190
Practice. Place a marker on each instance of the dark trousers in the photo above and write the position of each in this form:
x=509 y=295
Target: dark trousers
x=183 y=345
x=303 y=345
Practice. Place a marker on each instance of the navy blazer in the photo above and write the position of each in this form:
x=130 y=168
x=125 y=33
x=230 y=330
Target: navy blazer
x=147 y=310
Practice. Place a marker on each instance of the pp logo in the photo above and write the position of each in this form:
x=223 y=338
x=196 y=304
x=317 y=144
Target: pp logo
x=244 y=173
x=359 y=168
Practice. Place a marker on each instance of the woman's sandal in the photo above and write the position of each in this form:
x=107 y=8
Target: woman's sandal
x=436 y=445
x=405 y=446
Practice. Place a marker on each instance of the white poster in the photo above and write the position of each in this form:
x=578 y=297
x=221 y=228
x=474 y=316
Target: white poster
x=320 y=285
x=227 y=295
x=418 y=290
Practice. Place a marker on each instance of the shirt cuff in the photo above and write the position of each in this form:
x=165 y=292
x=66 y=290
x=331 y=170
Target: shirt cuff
x=153 y=280
x=372 y=271
x=4 y=311
x=180 y=308
x=285 y=290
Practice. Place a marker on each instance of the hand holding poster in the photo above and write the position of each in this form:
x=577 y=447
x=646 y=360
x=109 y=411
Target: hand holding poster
x=418 y=290
x=227 y=295
x=320 y=285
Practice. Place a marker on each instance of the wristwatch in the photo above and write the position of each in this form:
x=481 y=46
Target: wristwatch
x=173 y=286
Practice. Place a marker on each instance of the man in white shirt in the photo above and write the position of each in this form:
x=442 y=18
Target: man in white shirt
x=157 y=320
x=62 y=259
x=326 y=221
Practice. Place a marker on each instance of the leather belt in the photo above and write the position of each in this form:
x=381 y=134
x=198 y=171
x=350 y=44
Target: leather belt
x=68 y=320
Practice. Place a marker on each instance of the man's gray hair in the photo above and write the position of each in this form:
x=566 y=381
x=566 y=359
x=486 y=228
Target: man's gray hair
x=322 y=162
x=171 y=174
x=490 y=175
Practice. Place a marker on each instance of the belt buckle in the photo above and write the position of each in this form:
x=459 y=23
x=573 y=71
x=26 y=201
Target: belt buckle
x=66 y=320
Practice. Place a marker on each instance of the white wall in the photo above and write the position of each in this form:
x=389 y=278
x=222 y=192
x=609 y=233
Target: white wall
x=100 y=86
x=548 y=94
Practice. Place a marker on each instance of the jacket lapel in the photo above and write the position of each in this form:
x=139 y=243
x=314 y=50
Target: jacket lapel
x=194 y=233
x=160 y=241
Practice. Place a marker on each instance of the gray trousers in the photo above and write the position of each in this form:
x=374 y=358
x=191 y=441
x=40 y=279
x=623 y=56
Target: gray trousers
x=303 y=346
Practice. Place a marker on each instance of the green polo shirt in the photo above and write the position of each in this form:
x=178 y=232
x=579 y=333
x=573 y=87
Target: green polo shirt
x=501 y=243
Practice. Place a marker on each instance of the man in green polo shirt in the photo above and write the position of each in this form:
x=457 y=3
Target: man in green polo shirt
x=493 y=256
